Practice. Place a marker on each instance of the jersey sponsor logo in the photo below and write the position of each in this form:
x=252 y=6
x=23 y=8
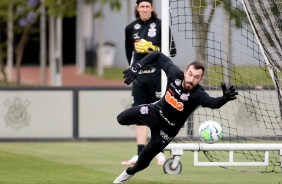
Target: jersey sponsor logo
x=152 y=70
x=178 y=91
x=173 y=101
x=153 y=25
x=162 y=115
x=136 y=36
x=158 y=94
x=137 y=26
x=177 y=82
x=165 y=136
x=171 y=92
x=144 y=110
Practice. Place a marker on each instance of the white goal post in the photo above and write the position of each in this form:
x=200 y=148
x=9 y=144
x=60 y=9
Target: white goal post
x=253 y=125
x=165 y=36
x=177 y=150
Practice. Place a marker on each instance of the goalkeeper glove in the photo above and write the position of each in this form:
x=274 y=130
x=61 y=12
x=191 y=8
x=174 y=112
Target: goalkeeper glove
x=131 y=73
x=143 y=46
x=228 y=94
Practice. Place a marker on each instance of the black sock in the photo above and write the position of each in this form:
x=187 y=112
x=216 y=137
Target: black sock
x=140 y=147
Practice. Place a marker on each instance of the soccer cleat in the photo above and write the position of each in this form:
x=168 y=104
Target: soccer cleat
x=161 y=158
x=132 y=161
x=123 y=178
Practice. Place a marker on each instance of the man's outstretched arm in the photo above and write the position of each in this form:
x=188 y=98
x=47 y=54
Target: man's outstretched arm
x=165 y=62
x=229 y=94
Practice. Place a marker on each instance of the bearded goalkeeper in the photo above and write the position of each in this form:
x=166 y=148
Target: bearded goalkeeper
x=165 y=117
x=142 y=37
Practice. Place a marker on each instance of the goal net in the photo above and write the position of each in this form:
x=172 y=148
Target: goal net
x=242 y=48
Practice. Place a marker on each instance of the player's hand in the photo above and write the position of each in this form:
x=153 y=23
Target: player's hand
x=131 y=73
x=228 y=94
x=143 y=46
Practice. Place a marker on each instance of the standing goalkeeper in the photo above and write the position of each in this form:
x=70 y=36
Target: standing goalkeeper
x=165 y=117
x=143 y=36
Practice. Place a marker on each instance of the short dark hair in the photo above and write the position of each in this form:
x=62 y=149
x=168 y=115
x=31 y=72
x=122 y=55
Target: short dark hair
x=137 y=15
x=198 y=65
x=139 y=1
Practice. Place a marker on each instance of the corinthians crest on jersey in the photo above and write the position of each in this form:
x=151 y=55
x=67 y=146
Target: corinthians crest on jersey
x=184 y=97
x=152 y=30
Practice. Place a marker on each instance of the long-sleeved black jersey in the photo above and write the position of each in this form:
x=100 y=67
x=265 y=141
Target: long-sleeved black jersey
x=177 y=105
x=149 y=30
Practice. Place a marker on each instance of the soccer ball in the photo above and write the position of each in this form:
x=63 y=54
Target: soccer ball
x=210 y=131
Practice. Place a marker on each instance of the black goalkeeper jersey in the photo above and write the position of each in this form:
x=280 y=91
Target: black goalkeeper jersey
x=176 y=105
x=149 y=30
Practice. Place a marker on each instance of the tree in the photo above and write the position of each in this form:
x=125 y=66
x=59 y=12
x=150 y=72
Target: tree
x=115 y=5
x=4 y=16
x=29 y=12
x=26 y=13
x=202 y=21
x=57 y=10
x=2 y=67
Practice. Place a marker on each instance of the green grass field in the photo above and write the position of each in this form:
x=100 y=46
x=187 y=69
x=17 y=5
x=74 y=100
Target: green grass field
x=99 y=163
x=244 y=75
x=113 y=73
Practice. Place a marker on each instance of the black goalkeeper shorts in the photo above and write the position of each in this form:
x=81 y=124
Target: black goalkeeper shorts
x=146 y=90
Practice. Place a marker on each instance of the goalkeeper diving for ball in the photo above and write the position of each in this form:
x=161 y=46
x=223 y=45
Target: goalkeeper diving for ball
x=166 y=117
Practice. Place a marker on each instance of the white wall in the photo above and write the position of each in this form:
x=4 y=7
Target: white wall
x=51 y=114
x=36 y=114
x=98 y=112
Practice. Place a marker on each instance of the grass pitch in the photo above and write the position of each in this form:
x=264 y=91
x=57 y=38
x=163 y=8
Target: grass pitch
x=99 y=163
x=240 y=75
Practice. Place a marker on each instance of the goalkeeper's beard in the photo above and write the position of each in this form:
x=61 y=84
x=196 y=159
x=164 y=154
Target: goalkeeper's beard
x=187 y=86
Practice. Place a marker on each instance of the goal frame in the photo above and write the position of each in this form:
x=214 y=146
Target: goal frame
x=177 y=149
x=165 y=41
